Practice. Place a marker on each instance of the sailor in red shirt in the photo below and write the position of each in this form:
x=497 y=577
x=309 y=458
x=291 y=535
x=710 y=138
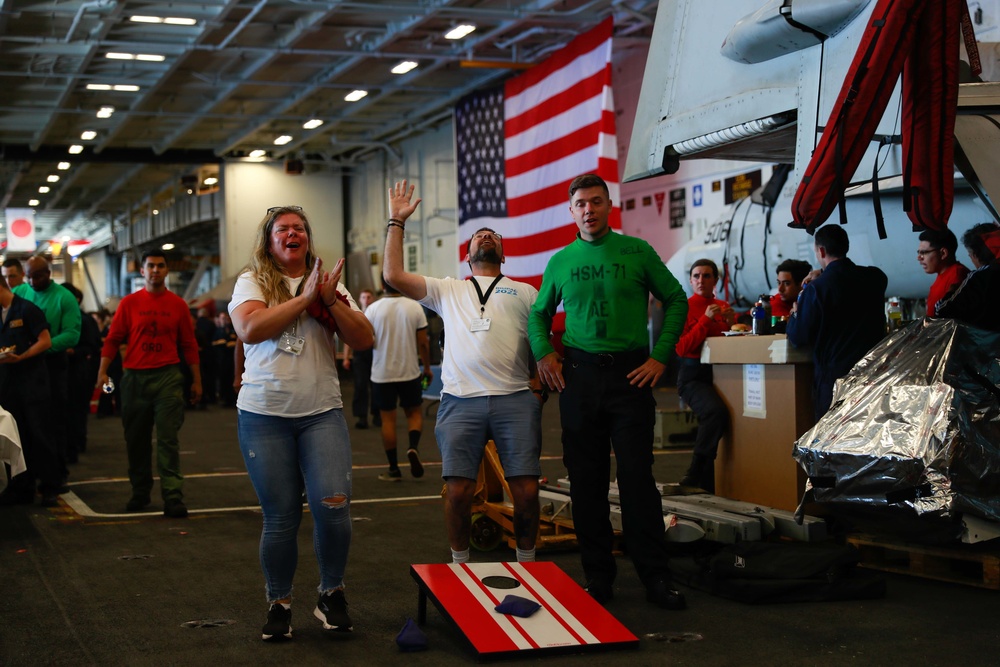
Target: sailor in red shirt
x=936 y=255
x=707 y=316
x=156 y=325
x=791 y=273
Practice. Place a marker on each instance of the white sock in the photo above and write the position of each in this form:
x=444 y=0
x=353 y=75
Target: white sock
x=525 y=555
x=460 y=556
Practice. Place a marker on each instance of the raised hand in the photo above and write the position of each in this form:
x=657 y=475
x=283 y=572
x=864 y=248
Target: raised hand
x=400 y=206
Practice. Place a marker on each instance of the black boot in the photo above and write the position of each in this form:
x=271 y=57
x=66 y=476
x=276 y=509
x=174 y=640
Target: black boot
x=695 y=472
x=708 y=475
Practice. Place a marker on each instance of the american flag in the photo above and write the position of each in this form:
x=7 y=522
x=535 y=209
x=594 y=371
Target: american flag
x=520 y=145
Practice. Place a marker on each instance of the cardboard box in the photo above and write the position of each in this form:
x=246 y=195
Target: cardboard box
x=750 y=349
x=674 y=428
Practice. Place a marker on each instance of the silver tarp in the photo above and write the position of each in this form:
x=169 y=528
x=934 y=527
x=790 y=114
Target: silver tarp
x=913 y=436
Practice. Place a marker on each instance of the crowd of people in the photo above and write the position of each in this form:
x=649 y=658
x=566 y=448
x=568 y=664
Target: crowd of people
x=288 y=313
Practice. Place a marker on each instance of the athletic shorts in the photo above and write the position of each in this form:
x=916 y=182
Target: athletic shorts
x=512 y=421
x=408 y=394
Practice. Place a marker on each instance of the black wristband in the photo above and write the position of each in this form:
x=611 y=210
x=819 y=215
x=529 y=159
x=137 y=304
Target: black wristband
x=393 y=223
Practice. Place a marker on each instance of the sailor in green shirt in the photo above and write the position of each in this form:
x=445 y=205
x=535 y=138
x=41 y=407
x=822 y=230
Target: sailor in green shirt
x=604 y=281
x=62 y=312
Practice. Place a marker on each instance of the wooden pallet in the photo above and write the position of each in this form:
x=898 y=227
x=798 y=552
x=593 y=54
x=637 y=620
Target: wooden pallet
x=961 y=563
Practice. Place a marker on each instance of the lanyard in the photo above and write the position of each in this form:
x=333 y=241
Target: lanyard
x=484 y=298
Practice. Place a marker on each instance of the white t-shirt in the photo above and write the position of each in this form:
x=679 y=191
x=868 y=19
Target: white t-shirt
x=483 y=363
x=283 y=384
x=396 y=320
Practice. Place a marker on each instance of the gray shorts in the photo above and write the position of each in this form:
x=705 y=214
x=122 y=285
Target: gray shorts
x=512 y=421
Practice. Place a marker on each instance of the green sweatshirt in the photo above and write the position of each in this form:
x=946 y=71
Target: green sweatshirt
x=61 y=311
x=604 y=286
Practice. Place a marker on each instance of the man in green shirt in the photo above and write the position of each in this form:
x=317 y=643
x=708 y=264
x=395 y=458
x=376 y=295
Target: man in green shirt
x=62 y=312
x=603 y=281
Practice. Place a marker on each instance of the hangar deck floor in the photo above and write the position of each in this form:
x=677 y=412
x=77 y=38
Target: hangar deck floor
x=85 y=584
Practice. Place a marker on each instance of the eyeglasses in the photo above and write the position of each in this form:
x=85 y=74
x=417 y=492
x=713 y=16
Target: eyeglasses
x=290 y=209
x=924 y=253
x=479 y=236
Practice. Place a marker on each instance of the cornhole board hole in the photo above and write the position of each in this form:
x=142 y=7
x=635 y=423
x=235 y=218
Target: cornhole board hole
x=569 y=620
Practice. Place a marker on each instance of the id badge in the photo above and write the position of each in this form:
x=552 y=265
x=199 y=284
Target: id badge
x=480 y=324
x=291 y=343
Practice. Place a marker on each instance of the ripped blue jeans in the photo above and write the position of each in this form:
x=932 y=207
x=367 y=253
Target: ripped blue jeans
x=282 y=453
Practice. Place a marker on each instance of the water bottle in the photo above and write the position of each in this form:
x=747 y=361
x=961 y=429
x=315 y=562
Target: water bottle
x=895 y=316
x=108 y=386
x=759 y=315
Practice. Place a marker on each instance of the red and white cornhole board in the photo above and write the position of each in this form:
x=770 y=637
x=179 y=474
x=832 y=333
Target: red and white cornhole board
x=569 y=621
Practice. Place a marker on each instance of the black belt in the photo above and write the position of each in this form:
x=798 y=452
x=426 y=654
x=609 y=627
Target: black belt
x=629 y=359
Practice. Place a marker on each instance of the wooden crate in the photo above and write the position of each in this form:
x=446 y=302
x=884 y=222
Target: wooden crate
x=973 y=565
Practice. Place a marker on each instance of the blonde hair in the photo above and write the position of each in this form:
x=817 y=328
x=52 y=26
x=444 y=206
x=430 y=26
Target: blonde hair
x=263 y=267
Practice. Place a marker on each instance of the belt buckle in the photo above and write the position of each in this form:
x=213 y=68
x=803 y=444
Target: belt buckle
x=605 y=360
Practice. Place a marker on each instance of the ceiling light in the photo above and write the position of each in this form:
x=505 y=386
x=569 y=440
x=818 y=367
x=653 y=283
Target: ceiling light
x=75 y=149
x=355 y=95
x=211 y=180
x=33 y=202
x=190 y=191
x=98 y=86
x=312 y=124
x=404 y=67
x=150 y=57
x=63 y=166
x=120 y=56
x=156 y=211
x=44 y=190
x=167 y=246
x=88 y=135
x=52 y=178
x=259 y=153
x=459 y=31
x=105 y=112
x=171 y=20
x=125 y=88
x=282 y=140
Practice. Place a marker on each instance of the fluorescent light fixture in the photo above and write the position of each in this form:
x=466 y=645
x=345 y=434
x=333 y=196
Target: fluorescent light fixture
x=148 y=57
x=156 y=211
x=167 y=246
x=120 y=87
x=44 y=190
x=170 y=20
x=190 y=191
x=282 y=140
x=211 y=180
x=259 y=153
x=75 y=149
x=355 y=95
x=88 y=135
x=404 y=67
x=63 y=166
x=33 y=202
x=105 y=112
x=312 y=124
x=459 y=31
x=52 y=178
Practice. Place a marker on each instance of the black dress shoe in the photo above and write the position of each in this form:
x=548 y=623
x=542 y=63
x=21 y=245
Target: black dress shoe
x=600 y=590
x=175 y=508
x=137 y=503
x=663 y=595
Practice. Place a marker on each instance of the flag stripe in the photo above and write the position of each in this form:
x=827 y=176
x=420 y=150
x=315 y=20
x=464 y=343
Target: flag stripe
x=565 y=145
x=583 y=44
x=554 y=105
x=558 y=171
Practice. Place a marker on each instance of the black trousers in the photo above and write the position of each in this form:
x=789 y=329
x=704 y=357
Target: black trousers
x=694 y=385
x=30 y=405
x=361 y=369
x=58 y=367
x=600 y=410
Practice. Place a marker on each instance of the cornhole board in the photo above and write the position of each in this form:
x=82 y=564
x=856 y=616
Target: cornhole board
x=569 y=621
